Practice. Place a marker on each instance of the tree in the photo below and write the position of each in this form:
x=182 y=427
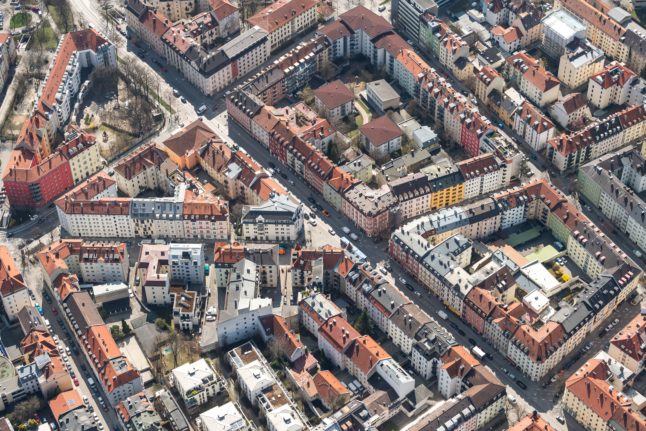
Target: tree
x=364 y=324
x=161 y=324
x=25 y=410
x=125 y=328
x=115 y=330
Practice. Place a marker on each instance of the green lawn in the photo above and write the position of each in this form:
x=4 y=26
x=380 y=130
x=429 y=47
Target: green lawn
x=45 y=35
x=21 y=19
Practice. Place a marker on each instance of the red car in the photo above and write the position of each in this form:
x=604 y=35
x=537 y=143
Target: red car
x=55 y=311
x=76 y=381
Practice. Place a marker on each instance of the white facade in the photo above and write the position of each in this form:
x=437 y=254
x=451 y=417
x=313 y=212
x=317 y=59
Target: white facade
x=187 y=263
x=197 y=382
x=278 y=219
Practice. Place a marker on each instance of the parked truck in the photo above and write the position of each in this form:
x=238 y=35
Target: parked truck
x=478 y=352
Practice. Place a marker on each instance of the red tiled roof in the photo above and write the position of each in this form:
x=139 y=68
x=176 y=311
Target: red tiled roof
x=334 y=94
x=531 y=422
x=222 y=8
x=190 y=138
x=365 y=353
x=329 y=388
x=362 y=18
x=535 y=118
x=339 y=333
x=65 y=402
x=631 y=338
x=280 y=13
x=10 y=276
x=380 y=130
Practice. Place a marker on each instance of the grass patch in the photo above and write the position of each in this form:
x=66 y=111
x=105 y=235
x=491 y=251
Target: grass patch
x=359 y=120
x=20 y=19
x=46 y=36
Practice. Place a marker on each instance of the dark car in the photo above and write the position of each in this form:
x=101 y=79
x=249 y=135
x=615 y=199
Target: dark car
x=472 y=341
x=521 y=384
x=461 y=332
x=408 y=286
x=272 y=165
x=282 y=174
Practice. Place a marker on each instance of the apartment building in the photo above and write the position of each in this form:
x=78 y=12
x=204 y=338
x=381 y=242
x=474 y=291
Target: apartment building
x=571 y=112
x=381 y=137
x=592 y=398
x=535 y=128
x=14 y=291
x=278 y=219
x=284 y=19
x=560 y=29
x=186 y=263
x=71 y=413
x=34 y=175
x=407 y=16
x=580 y=61
x=92 y=262
x=617 y=42
x=334 y=100
x=138 y=413
x=572 y=150
x=175 y=10
x=615 y=85
x=627 y=346
x=148 y=24
x=227 y=417
x=196 y=383
x=536 y=83
x=482 y=175
x=43 y=371
x=613 y=184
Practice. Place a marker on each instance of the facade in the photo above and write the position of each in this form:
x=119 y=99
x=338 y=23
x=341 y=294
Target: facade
x=285 y=19
x=580 y=61
x=334 y=100
x=615 y=85
x=613 y=184
x=196 y=383
x=627 y=347
x=407 y=16
x=35 y=175
x=533 y=126
x=571 y=112
x=381 y=137
x=572 y=150
x=534 y=82
x=278 y=219
x=14 y=291
x=561 y=28
x=138 y=414
x=382 y=96
x=7 y=56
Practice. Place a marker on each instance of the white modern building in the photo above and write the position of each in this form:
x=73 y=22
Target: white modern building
x=227 y=417
x=187 y=263
x=559 y=29
x=197 y=382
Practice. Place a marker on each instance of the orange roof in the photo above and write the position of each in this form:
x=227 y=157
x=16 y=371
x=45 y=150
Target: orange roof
x=10 y=276
x=589 y=384
x=101 y=344
x=345 y=267
x=340 y=180
x=380 y=130
x=65 y=402
x=190 y=138
x=412 y=62
x=458 y=361
x=540 y=343
x=285 y=337
x=201 y=206
x=142 y=159
x=365 y=353
x=531 y=422
x=228 y=254
x=329 y=387
x=222 y=9
x=613 y=74
x=155 y=22
x=631 y=338
x=266 y=186
x=339 y=333
x=334 y=94
x=280 y=13
x=541 y=78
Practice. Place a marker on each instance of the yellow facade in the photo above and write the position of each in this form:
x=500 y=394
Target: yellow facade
x=447 y=197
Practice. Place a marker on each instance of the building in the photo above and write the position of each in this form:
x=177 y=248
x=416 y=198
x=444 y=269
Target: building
x=285 y=19
x=334 y=100
x=170 y=411
x=315 y=309
x=196 y=383
x=186 y=263
x=381 y=137
x=278 y=219
x=227 y=417
x=580 y=61
x=592 y=399
x=13 y=290
x=613 y=184
x=532 y=422
x=615 y=85
x=7 y=56
x=147 y=24
x=406 y=16
x=560 y=29
x=381 y=96
x=536 y=83
x=617 y=42
x=533 y=126
x=137 y=413
x=35 y=175
x=627 y=347
x=184 y=146
x=482 y=175
x=571 y=112
x=615 y=131
x=71 y=413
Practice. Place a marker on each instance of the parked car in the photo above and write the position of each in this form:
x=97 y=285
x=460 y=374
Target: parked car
x=521 y=384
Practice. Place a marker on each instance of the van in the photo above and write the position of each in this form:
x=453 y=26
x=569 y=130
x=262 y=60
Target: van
x=201 y=110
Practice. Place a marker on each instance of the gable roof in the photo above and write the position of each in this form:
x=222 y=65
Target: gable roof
x=380 y=130
x=334 y=94
x=190 y=138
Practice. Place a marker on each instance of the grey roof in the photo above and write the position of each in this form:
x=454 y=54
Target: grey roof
x=389 y=297
x=383 y=90
x=246 y=41
x=79 y=419
x=620 y=15
x=29 y=318
x=84 y=313
x=277 y=210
